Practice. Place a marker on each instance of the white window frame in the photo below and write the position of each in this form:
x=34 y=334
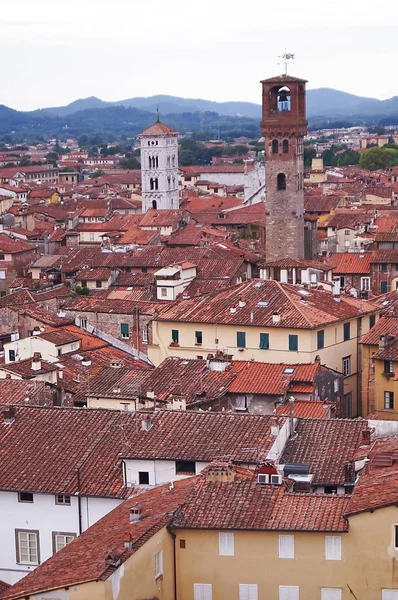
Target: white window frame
x=332 y=547
x=248 y=591
x=31 y=536
x=202 y=591
x=61 y=540
x=365 y=284
x=347 y=366
x=289 y=592
x=159 y=564
x=62 y=499
x=226 y=544
x=286 y=546
x=145 y=334
x=2 y=274
x=331 y=594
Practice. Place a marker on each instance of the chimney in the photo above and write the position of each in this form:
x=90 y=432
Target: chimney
x=86 y=362
x=221 y=472
x=366 y=436
x=36 y=361
x=9 y=415
x=146 y=423
x=8 y=376
x=276 y=318
x=232 y=310
x=135 y=513
x=349 y=473
x=242 y=303
x=127 y=541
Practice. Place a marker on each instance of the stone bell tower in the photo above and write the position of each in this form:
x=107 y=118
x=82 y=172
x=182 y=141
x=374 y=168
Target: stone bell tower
x=284 y=126
x=159 y=167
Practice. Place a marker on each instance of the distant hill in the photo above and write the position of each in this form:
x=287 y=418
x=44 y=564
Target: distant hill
x=322 y=102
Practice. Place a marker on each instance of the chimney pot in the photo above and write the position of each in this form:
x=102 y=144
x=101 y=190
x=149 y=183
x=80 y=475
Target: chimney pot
x=366 y=436
x=135 y=513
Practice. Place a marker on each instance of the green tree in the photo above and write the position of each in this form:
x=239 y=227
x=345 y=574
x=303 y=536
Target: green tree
x=98 y=173
x=309 y=154
x=52 y=157
x=25 y=161
x=378 y=158
x=130 y=163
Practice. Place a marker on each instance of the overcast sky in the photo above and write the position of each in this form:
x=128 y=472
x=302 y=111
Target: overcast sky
x=55 y=51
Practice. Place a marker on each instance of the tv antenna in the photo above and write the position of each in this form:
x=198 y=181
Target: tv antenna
x=287 y=60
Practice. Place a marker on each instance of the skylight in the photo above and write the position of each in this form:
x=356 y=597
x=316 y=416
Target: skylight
x=263 y=303
x=288 y=371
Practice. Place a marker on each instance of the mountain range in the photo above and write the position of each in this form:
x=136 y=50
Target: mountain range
x=322 y=102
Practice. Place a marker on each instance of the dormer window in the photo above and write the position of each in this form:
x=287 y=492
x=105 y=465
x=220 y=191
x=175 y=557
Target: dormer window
x=281 y=182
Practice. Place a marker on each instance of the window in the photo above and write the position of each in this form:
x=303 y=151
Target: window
x=145 y=335
x=154 y=206
x=365 y=284
x=248 y=591
x=98 y=283
x=202 y=591
x=158 y=564
x=383 y=287
x=332 y=547
x=275 y=146
x=281 y=181
x=285 y=146
x=346 y=332
x=388 y=366
x=175 y=335
x=27 y=547
x=389 y=400
x=226 y=544
x=331 y=594
x=60 y=540
x=143 y=477
x=62 y=499
x=124 y=330
x=83 y=323
x=347 y=366
x=372 y=321
x=347 y=405
x=198 y=338
x=163 y=292
x=11 y=355
x=320 y=339
x=25 y=497
x=383 y=267
x=264 y=341
x=286 y=546
x=330 y=489
x=288 y=592
x=396 y=537
x=347 y=232
x=59 y=351
x=293 y=343
x=91 y=237
x=84 y=284
x=184 y=467
x=2 y=256
x=241 y=339
x=2 y=274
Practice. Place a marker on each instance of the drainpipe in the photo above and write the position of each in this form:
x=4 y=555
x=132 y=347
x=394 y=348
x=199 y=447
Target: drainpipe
x=79 y=501
x=173 y=535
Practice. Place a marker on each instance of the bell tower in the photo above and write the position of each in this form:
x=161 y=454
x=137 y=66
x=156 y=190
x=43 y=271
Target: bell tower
x=284 y=126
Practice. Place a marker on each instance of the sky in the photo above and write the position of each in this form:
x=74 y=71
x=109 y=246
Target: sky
x=56 y=51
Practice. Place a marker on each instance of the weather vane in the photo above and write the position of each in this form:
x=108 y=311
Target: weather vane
x=286 y=57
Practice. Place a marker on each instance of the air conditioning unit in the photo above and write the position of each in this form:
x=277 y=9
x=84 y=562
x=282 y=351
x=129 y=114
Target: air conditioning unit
x=276 y=479
x=263 y=478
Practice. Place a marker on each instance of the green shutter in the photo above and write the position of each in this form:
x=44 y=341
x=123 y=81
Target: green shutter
x=293 y=343
x=372 y=321
x=175 y=335
x=383 y=287
x=124 y=329
x=346 y=332
x=241 y=339
x=264 y=341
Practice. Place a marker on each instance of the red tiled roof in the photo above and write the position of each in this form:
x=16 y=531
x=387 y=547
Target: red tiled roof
x=100 y=274
x=17 y=391
x=270 y=379
x=10 y=245
x=350 y=262
x=250 y=506
x=384 y=256
x=158 y=128
x=385 y=325
x=23 y=368
x=325 y=445
x=303 y=309
x=304 y=409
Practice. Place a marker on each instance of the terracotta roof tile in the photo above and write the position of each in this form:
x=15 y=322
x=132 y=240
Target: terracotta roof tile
x=158 y=128
x=305 y=410
x=350 y=263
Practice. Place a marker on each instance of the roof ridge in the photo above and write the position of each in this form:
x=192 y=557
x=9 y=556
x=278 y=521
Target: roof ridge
x=286 y=293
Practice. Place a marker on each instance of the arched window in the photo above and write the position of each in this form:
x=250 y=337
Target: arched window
x=285 y=146
x=281 y=181
x=151 y=185
x=173 y=161
x=154 y=204
x=168 y=182
x=155 y=184
x=156 y=160
x=168 y=162
x=150 y=162
x=275 y=146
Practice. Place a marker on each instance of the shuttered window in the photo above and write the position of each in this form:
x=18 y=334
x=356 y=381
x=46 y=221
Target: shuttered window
x=158 y=564
x=202 y=591
x=286 y=546
x=124 y=330
x=320 y=339
x=264 y=341
x=288 y=592
x=333 y=547
x=293 y=343
x=175 y=335
x=241 y=339
x=248 y=591
x=226 y=544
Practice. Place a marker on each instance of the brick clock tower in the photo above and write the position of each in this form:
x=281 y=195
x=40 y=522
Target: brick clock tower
x=284 y=126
